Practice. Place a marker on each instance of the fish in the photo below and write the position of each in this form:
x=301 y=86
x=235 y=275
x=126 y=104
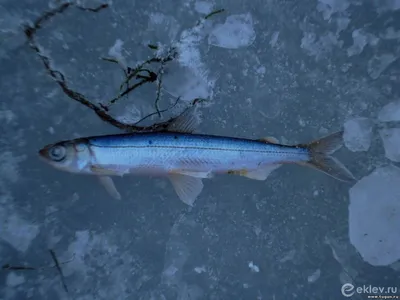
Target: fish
x=186 y=157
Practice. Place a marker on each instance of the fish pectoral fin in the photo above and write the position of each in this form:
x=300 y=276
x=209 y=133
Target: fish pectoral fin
x=196 y=174
x=106 y=171
x=186 y=187
x=269 y=140
x=261 y=173
x=109 y=185
x=187 y=122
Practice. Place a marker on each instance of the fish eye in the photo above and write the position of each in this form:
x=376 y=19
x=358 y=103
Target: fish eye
x=57 y=153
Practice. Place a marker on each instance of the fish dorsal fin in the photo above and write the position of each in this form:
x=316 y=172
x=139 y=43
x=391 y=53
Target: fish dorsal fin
x=186 y=187
x=187 y=122
x=269 y=140
x=109 y=185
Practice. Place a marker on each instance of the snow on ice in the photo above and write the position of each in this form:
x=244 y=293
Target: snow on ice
x=391 y=142
x=236 y=32
x=390 y=112
x=357 y=134
x=374 y=216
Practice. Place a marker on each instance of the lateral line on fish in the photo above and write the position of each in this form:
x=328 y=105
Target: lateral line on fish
x=195 y=148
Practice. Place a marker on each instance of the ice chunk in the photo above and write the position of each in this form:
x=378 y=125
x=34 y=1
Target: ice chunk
x=13 y=279
x=391 y=143
x=357 y=134
x=116 y=52
x=187 y=84
x=236 y=32
x=374 y=216
x=379 y=63
x=360 y=40
x=253 y=267
x=18 y=232
x=390 y=112
x=314 y=276
x=203 y=7
x=329 y=7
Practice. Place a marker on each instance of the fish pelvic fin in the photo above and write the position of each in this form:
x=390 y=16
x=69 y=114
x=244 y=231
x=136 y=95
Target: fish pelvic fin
x=321 y=159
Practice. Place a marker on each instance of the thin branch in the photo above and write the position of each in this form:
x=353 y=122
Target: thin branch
x=58 y=267
x=214 y=13
x=126 y=87
x=8 y=267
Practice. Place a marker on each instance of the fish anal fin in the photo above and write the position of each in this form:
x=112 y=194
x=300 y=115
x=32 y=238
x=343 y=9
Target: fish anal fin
x=258 y=174
x=187 y=188
x=109 y=185
x=269 y=140
x=187 y=122
x=262 y=173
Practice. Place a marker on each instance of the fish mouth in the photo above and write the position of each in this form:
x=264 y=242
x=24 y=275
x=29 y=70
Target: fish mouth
x=44 y=153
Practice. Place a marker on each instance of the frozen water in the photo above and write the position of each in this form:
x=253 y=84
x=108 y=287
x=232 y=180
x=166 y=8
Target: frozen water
x=14 y=279
x=15 y=230
x=360 y=40
x=253 y=267
x=390 y=112
x=203 y=7
x=357 y=134
x=391 y=143
x=314 y=276
x=379 y=63
x=374 y=216
x=329 y=7
x=236 y=32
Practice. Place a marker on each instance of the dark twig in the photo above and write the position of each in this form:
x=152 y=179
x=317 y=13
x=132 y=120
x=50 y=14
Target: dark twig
x=214 y=13
x=8 y=267
x=100 y=110
x=58 y=267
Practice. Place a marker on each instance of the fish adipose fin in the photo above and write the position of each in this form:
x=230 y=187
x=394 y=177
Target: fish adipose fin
x=321 y=159
x=186 y=187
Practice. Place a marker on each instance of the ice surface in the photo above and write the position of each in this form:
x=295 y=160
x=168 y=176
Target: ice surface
x=374 y=216
x=314 y=276
x=360 y=40
x=319 y=46
x=253 y=267
x=379 y=63
x=357 y=134
x=186 y=83
x=390 y=112
x=236 y=32
x=15 y=230
x=203 y=7
x=14 y=279
x=329 y=7
x=390 y=34
x=391 y=142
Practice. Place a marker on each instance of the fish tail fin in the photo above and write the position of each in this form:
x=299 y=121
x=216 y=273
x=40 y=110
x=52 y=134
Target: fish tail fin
x=320 y=157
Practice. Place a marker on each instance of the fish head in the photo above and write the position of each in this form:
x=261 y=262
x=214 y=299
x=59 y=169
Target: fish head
x=71 y=156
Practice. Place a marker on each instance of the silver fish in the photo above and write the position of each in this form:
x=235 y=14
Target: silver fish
x=186 y=158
